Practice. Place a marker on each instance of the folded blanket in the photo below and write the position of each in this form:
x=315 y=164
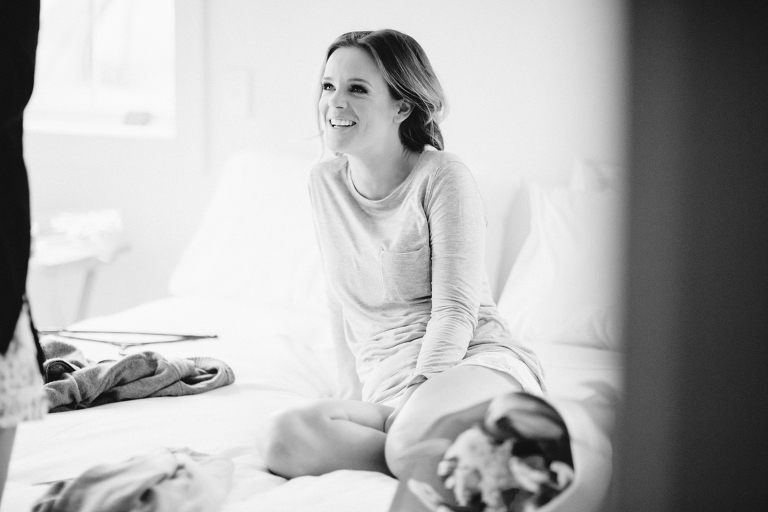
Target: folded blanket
x=166 y=481
x=74 y=382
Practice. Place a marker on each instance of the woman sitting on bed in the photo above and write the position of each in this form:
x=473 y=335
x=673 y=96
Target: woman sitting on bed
x=401 y=228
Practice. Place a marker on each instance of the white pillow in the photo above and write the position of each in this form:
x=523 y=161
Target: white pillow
x=597 y=176
x=565 y=284
x=256 y=242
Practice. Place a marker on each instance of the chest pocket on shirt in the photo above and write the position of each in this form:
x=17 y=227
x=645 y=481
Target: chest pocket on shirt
x=406 y=275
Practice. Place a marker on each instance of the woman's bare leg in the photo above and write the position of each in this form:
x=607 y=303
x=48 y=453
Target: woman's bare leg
x=341 y=434
x=6 y=446
x=451 y=391
x=325 y=436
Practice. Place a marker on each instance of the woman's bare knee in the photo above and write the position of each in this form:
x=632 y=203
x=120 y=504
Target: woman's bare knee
x=325 y=436
x=290 y=442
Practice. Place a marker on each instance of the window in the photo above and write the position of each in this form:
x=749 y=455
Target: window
x=105 y=67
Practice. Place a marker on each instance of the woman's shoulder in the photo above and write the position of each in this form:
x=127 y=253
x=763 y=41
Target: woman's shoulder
x=442 y=166
x=446 y=176
x=435 y=160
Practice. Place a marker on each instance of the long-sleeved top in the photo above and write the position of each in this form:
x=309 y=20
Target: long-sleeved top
x=406 y=274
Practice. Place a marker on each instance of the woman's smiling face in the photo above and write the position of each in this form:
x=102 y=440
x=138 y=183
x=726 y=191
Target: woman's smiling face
x=356 y=107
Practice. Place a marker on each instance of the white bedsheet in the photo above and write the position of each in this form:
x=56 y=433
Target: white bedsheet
x=279 y=359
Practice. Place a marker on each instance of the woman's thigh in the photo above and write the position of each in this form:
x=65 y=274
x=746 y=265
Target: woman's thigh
x=453 y=390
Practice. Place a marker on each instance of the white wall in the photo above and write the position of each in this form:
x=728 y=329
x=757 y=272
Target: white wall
x=540 y=78
x=532 y=85
x=159 y=185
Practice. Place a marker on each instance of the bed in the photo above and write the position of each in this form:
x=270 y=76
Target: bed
x=251 y=275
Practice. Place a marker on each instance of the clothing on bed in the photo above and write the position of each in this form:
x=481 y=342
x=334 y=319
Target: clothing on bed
x=407 y=273
x=74 y=382
x=166 y=481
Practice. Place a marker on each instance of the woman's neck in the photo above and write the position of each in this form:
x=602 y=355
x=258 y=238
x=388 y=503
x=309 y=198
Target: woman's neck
x=375 y=176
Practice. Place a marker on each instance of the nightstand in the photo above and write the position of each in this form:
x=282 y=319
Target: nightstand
x=68 y=249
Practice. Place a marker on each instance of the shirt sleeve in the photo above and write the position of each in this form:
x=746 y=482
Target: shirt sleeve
x=457 y=223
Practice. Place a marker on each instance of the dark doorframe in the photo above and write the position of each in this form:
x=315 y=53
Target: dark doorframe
x=693 y=434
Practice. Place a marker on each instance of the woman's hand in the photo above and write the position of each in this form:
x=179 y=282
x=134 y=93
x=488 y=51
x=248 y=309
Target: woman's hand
x=408 y=392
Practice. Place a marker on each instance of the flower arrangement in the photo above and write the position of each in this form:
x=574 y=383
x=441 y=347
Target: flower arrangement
x=517 y=459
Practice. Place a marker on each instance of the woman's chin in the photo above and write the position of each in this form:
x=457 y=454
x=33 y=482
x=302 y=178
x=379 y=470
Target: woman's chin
x=338 y=148
x=339 y=142
x=335 y=145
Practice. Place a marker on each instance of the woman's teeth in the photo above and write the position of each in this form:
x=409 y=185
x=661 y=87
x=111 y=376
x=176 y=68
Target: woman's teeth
x=341 y=122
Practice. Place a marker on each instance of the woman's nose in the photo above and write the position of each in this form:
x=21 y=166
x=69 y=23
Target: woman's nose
x=337 y=100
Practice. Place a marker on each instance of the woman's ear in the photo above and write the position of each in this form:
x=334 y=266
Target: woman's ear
x=404 y=109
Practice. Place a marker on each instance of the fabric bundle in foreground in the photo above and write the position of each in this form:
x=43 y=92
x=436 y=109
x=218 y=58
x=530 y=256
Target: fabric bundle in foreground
x=509 y=454
x=167 y=481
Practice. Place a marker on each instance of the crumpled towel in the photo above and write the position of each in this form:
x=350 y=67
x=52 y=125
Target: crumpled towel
x=167 y=481
x=74 y=382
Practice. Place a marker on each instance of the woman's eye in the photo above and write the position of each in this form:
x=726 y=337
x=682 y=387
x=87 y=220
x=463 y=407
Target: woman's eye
x=327 y=86
x=358 y=88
